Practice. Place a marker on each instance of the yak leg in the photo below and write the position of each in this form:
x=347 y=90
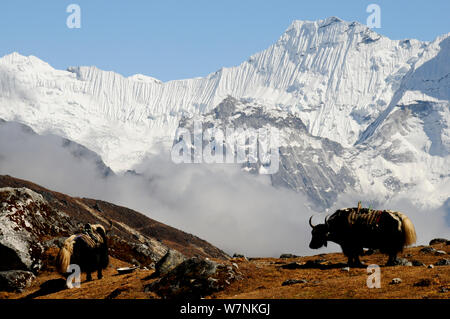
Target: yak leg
x=353 y=257
x=99 y=273
x=392 y=261
x=350 y=256
x=88 y=276
x=358 y=253
x=353 y=261
x=357 y=262
x=350 y=261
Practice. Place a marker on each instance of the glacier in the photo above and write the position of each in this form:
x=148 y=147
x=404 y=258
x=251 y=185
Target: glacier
x=374 y=112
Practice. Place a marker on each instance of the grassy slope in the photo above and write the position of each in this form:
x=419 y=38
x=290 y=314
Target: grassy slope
x=262 y=278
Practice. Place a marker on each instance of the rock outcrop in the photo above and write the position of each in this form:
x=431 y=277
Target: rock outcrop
x=170 y=261
x=193 y=279
x=26 y=221
x=15 y=280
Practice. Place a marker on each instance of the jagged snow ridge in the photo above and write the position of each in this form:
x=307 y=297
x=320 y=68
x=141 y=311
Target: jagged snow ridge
x=338 y=77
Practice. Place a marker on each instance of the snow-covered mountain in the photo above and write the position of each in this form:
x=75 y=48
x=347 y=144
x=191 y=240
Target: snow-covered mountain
x=374 y=112
x=407 y=157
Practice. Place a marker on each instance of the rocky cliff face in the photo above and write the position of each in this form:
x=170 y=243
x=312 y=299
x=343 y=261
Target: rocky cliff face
x=405 y=157
x=307 y=164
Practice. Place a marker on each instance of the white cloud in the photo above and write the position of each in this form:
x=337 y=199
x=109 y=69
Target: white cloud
x=235 y=211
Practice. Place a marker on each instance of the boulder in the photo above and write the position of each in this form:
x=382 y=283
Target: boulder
x=293 y=282
x=427 y=250
x=423 y=283
x=442 y=262
x=395 y=281
x=293 y=265
x=168 y=262
x=15 y=280
x=287 y=256
x=151 y=250
x=417 y=263
x=438 y=241
x=57 y=242
x=193 y=279
x=403 y=262
x=25 y=218
x=317 y=263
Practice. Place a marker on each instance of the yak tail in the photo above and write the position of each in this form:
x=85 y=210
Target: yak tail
x=63 y=258
x=408 y=231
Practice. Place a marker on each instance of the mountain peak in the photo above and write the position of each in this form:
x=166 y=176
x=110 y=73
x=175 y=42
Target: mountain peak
x=14 y=56
x=329 y=30
x=331 y=20
x=24 y=62
x=297 y=24
x=143 y=78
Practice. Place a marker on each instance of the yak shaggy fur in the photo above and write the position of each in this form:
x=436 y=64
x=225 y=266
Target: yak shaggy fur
x=357 y=228
x=89 y=250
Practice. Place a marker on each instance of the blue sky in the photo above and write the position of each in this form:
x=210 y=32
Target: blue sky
x=182 y=39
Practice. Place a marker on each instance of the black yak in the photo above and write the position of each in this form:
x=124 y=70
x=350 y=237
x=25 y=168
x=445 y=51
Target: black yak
x=88 y=250
x=357 y=228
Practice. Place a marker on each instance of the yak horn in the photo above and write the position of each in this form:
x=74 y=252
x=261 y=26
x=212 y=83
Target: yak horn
x=326 y=219
x=310 y=223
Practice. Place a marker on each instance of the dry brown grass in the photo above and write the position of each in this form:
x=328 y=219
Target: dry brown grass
x=112 y=285
x=262 y=279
